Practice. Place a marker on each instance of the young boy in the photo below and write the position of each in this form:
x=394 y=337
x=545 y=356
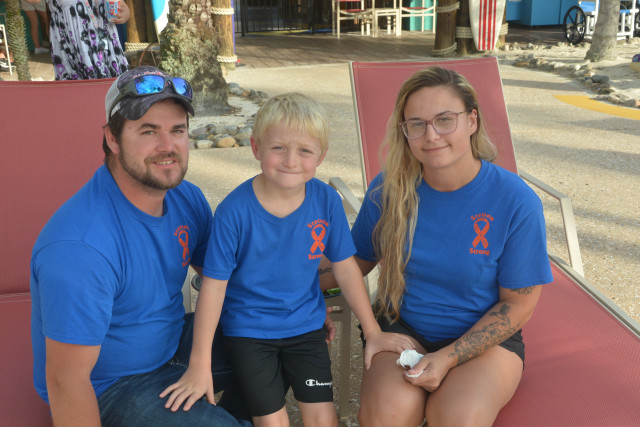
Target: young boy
x=266 y=243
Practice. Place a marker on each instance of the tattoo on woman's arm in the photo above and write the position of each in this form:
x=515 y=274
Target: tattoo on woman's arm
x=523 y=291
x=325 y=270
x=476 y=341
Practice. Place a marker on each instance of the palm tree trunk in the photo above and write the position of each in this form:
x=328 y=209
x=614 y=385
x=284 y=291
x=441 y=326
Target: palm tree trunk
x=17 y=39
x=603 y=43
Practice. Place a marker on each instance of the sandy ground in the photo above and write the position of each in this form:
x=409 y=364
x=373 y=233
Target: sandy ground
x=592 y=157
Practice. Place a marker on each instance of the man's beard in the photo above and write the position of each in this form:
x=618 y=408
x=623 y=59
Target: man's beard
x=145 y=177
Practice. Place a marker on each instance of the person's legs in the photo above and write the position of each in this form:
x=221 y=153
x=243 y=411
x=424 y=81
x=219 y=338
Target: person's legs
x=322 y=414
x=33 y=21
x=473 y=393
x=307 y=367
x=44 y=22
x=280 y=418
x=135 y=401
x=386 y=399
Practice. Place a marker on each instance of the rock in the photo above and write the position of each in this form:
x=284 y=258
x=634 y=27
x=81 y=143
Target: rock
x=200 y=131
x=225 y=142
x=599 y=78
x=204 y=144
x=521 y=64
x=243 y=134
x=237 y=91
x=633 y=103
x=232 y=129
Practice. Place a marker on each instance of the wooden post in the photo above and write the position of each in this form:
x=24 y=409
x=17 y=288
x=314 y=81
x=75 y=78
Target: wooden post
x=151 y=35
x=466 y=45
x=136 y=24
x=222 y=14
x=502 y=40
x=445 y=28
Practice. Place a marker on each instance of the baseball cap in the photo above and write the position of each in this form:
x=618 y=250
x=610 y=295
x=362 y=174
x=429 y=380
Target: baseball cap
x=135 y=91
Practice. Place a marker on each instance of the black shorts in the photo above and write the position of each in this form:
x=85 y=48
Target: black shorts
x=267 y=368
x=514 y=343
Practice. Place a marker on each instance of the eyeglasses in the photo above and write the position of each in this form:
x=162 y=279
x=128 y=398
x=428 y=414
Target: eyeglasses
x=443 y=124
x=150 y=84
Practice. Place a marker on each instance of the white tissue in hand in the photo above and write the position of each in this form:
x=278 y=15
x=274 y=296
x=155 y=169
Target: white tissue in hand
x=408 y=359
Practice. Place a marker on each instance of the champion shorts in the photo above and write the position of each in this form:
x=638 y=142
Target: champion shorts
x=514 y=343
x=267 y=368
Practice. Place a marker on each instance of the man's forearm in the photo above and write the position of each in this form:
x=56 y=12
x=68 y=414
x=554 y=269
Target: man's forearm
x=73 y=403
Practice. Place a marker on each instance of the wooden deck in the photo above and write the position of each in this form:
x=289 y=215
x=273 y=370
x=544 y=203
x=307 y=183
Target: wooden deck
x=279 y=49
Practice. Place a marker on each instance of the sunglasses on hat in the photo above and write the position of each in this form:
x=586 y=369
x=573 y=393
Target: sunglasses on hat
x=150 y=84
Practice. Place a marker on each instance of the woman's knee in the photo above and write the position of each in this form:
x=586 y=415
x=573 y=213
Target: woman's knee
x=393 y=409
x=464 y=414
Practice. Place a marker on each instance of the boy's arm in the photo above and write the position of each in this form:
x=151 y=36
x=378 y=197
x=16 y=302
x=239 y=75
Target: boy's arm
x=327 y=278
x=349 y=277
x=198 y=380
x=72 y=398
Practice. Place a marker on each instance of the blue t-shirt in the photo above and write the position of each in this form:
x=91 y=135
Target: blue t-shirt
x=105 y=273
x=467 y=243
x=271 y=263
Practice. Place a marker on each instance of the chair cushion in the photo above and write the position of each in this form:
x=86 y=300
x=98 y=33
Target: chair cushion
x=20 y=405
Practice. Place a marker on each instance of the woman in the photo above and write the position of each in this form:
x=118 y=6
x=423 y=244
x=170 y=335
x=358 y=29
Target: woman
x=84 y=39
x=461 y=246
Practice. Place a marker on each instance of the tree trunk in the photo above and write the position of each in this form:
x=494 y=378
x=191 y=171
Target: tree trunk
x=445 y=29
x=604 y=41
x=17 y=40
x=222 y=14
x=189 y=49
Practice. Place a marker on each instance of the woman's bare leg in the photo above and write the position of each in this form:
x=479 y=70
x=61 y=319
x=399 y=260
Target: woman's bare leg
x=473 y=393
x=386 y=399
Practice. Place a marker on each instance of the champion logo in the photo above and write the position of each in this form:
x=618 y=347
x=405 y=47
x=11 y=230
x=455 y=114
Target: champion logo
x=481 y=225
x=316 y=383
x=182 y=233
x=318 y=232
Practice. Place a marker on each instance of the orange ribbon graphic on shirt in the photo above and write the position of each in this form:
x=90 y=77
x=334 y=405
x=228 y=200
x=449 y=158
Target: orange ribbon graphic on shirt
x=317 y=238
x=183 y=238
x=481 y=233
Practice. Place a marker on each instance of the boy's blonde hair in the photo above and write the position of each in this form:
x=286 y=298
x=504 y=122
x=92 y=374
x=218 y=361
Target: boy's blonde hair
x=295 y=111
x=394 y=232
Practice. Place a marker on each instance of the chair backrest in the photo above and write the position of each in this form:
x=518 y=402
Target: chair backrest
x=582 y=361
x=50 y=134
x=376 y=84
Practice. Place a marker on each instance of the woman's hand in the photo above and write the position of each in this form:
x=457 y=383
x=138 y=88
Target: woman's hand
x=123 y=13
x=430 y=370
x=386 y=341
x=191 y=387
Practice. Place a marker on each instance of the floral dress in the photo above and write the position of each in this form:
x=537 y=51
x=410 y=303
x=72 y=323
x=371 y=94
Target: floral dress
x=84 y=45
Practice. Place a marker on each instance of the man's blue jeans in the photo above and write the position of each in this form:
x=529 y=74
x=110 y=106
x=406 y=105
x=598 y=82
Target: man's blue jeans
x=133 y=400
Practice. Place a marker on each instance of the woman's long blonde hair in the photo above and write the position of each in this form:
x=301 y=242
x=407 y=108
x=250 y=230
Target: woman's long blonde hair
x=402 y=175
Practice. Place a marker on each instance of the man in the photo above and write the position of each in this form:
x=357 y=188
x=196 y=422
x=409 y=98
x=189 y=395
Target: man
x=106 y=271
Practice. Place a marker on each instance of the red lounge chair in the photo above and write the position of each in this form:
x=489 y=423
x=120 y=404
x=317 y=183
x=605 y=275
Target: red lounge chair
x=50 y=134
x=583 y=352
